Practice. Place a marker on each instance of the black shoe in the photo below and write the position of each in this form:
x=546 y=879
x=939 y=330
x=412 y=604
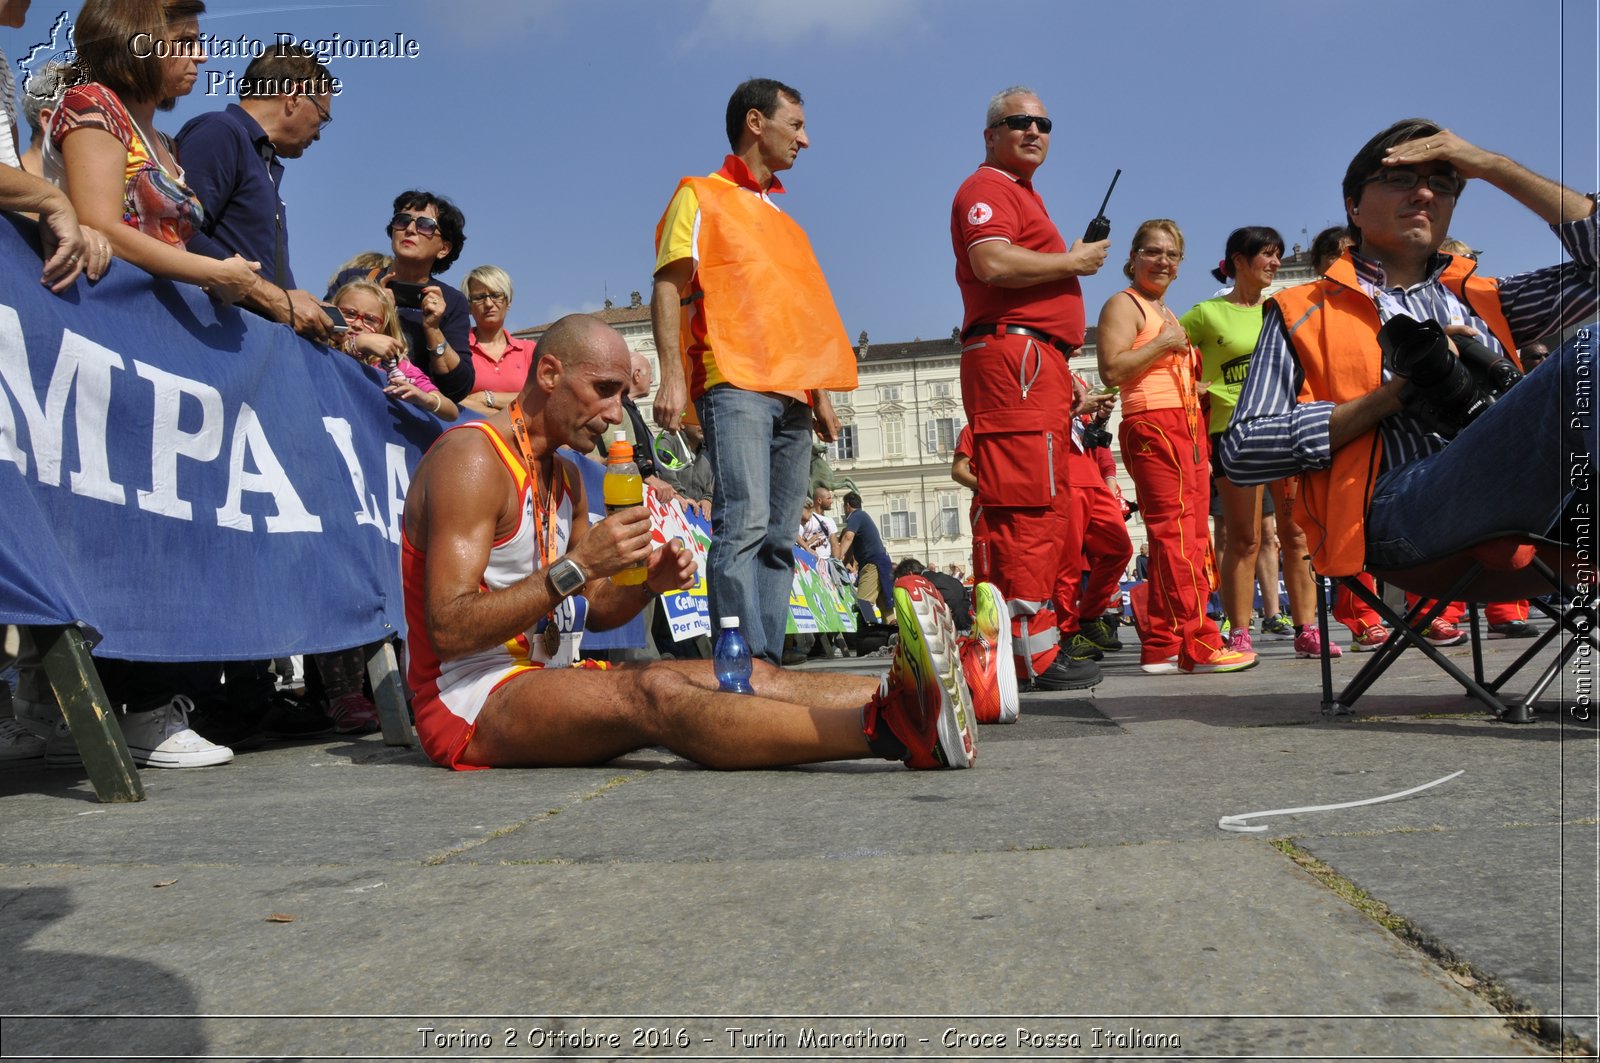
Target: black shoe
x=1066 y=674
x=289 y=717
x=1102 y=631
x=228 y=723
x=1081 y=648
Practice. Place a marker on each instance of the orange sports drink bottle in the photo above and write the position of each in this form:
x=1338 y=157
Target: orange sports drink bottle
x=623 y=487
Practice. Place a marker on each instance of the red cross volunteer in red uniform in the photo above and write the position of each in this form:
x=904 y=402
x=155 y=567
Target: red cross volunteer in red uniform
x=1023 y=317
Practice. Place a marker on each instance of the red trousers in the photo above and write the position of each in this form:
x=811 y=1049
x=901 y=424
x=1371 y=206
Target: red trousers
x=1103 y=551
x=1356 y=615
x=1170 y=470
x=1017 y=394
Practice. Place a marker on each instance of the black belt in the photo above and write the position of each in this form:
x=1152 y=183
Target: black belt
x=1020 y=330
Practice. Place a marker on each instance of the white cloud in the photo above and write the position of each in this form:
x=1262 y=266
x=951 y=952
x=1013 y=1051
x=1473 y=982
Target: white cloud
x=779 y=22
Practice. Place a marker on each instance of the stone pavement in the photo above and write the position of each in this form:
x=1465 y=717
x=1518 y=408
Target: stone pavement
x=1073 y=897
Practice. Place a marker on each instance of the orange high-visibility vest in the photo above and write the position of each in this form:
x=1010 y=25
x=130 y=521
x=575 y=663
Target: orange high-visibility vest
x=770 y=319
x=1332 y=325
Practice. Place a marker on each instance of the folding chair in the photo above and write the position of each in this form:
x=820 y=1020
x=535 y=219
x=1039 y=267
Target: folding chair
x=1500 y=569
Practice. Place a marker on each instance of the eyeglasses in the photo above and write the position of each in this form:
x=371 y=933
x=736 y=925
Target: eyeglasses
x=372 y=321
x=1405 y=180
x=489 y=297
x=323 y=117
x=1020 y=122
x=669 y=457
x=425 y=225
x=1158 y=253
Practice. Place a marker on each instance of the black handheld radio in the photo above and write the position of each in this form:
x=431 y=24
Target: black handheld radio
x=1100 y=227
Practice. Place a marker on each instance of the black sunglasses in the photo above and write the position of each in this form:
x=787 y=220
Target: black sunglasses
x=425 y=225
x=1020 y=122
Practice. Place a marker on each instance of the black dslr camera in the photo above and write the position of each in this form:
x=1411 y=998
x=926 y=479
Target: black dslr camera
x=1444 y=392
x=1095 y=433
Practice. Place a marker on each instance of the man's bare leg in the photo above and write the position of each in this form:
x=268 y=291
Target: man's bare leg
x=818 y=689
x=575 y=716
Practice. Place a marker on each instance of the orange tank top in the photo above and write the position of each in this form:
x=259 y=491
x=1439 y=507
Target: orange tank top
x=1169 y=382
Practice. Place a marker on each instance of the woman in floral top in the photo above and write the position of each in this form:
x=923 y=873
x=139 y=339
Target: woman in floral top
x=122 y=176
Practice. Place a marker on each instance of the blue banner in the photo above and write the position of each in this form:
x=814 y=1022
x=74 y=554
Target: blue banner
x=190 y=481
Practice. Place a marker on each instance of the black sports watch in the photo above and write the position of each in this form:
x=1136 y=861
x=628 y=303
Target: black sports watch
x=567 y=577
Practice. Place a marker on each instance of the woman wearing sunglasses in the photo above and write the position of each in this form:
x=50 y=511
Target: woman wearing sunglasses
x=500 y=361
x=1225 y=329
x=426 y=233
x=1145 y=352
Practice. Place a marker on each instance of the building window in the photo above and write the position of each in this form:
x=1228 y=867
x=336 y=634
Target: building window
x=894 y=436
x=840 y=398
x=843 y=448
x=941 y=389
x=900 y=522
x=949 y=515
x=941 y=434
x=889 y=393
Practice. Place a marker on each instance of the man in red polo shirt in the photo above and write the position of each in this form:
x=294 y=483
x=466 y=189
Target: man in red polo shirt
x=1024 y=316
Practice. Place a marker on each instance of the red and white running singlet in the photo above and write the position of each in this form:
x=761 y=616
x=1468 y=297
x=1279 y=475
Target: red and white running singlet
x=448 y=695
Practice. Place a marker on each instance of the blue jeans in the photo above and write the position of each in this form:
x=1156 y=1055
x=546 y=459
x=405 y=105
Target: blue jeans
x=759 y=446
x=1511 y=471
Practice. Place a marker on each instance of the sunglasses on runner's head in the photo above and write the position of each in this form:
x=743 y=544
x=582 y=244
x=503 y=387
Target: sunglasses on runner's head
x=1020 y=122
x=425 y=225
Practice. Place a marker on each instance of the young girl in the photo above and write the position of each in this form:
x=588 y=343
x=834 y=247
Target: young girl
x=375 y=338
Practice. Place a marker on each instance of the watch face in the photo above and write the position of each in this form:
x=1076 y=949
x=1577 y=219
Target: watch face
x=566 y=576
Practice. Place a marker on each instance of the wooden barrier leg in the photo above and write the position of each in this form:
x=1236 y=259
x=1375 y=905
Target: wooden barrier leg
x=89 y=714
x=388 y=690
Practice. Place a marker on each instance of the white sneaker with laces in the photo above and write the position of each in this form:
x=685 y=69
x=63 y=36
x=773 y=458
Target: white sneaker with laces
x=17 y=742
x=162 y=738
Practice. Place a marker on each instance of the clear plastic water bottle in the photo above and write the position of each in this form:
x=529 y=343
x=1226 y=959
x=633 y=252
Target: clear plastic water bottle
x=731 y=657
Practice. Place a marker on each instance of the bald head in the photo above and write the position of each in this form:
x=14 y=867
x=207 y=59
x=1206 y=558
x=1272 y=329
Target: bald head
x=579 y=337
x=643 y=377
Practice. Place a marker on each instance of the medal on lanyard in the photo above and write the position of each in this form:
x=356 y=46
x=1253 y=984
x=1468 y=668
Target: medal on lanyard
x=544 y=532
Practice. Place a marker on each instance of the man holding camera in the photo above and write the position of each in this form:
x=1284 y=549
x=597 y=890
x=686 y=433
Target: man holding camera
x=1023 y=318
x=1382 y=487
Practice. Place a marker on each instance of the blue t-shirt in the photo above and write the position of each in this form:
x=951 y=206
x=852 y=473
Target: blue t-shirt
x=867 y=544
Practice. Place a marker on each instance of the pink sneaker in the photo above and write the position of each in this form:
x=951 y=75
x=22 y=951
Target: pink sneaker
x=1239 y=641
x=1369 y=638
x=1444 y=633
x=1309 y=644
x=354 y=714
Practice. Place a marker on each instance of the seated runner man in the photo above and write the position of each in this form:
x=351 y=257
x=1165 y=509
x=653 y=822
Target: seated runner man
x=498 y=543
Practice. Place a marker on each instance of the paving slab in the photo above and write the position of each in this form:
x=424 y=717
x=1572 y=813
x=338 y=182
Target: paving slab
x=1211 y=930
x=1528 y=916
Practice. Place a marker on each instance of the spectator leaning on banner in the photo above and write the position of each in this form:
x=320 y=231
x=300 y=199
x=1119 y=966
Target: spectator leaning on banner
x=121 y=175
x=233 y=162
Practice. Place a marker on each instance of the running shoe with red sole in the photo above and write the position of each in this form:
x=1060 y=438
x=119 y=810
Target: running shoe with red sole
x=924 y=701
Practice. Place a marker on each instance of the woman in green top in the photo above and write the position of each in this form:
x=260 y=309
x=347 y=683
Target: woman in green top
x=1225 y=330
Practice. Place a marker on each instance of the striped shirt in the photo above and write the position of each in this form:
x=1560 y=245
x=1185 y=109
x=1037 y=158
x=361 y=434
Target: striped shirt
x=1273 y=434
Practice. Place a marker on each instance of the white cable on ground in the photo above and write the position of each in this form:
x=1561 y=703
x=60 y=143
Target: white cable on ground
x=1238 y=824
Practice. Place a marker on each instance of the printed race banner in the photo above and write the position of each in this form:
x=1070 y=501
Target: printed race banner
x=192 y=482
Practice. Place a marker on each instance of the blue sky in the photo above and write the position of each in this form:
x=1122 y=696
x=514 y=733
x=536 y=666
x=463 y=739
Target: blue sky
x=561 y=126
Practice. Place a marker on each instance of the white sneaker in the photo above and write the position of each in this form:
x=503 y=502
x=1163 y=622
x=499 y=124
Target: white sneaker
x=162 y=739
x=17 y=742
x=157 y=739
